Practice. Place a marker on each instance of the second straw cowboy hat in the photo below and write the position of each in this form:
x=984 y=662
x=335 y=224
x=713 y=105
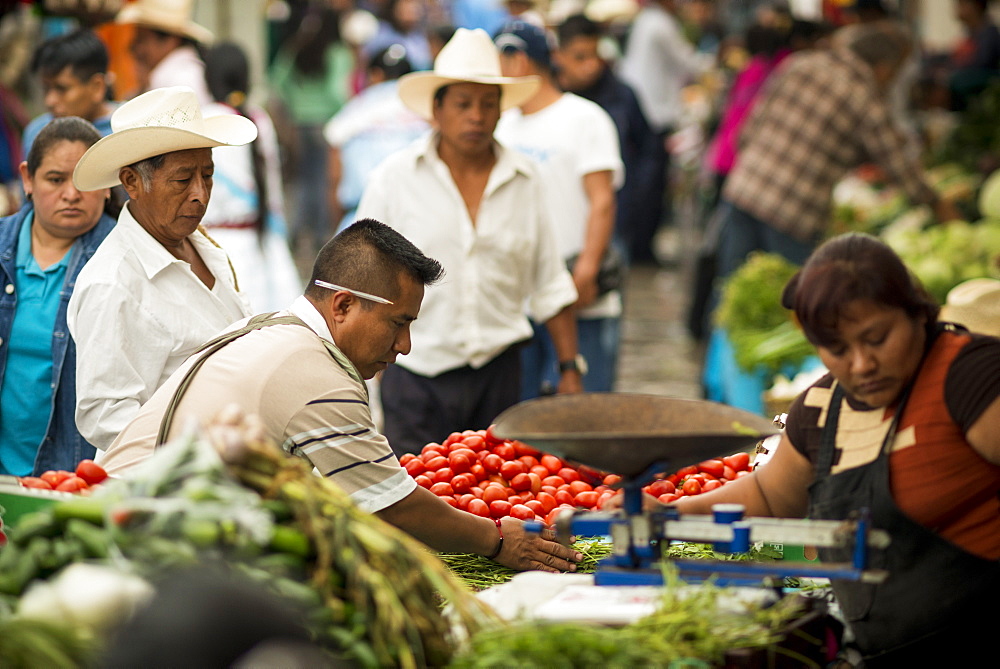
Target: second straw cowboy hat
x=169 y=16
x=976 y=305
x=469 y=56
x=160 y=121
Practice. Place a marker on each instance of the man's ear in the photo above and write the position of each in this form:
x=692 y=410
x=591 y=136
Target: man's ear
x=341 y=303
x=131 y=181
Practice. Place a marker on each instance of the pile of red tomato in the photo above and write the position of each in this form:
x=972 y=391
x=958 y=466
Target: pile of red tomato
x=478 y=472
x=703 y=477
x=87 y=475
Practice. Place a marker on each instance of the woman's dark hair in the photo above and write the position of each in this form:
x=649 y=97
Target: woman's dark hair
x=69 y=129
x=318 y=29
x=227 y=74
x=370 y=256
x=853 y=266
x=391 y=61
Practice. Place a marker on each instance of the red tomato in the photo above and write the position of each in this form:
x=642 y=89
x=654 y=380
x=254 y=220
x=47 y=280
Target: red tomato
x=576 y=487
x=459 y=462
x=491 y=434
x=552 y=463
x=406 y=457
x=494 y=492
x=728 y=473
x=537 y=507
x=441 y=489
x=738 y=461
x=551 y=489
x=516 y=499
x=450 y=500
x=512 y=468
x=54 y=478
x=554 y=481
x=568 y=474
x=424 y=481
x=479 y=508
x=529 y=460
x=668 y=498
x=72 y=484
x=691 y=487
x=459 y=449
x=35 y=482
x=415 y=467
x=505 y=451
x=452 y=438
x=564 y=497
x=604 y=497
x=477 y=491
x=520 y=482
x=442 y=475
x=547 y=500
x=586 y=498
x=464 y=500
x=478 y=471
x=536 y=482
x=711 y=485
x=433 y=447
x=539 y=471
x=660 y=487
x=436 y=463
x=685 y=472
x=462 y=483
x=713 y=467
x=500 y=508
x=474 y=441
x=492 y=463
x=522 y=512
x=612 y=479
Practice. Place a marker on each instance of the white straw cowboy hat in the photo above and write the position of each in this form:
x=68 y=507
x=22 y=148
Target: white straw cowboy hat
x=160 y=121
x=169 y=16
x=469 y=56
x=976 y=305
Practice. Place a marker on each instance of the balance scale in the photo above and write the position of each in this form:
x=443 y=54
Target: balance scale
x=638 y=436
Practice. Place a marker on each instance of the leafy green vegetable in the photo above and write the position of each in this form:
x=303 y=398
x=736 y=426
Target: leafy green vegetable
x=759 y=328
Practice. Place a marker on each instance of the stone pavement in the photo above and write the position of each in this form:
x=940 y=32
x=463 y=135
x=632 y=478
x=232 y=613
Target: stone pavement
x=657 y=354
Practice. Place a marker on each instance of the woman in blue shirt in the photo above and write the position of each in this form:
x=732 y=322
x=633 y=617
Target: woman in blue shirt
x=42 y=249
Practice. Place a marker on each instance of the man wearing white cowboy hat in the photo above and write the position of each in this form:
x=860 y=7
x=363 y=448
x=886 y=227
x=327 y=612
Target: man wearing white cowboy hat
x=164 y=45
x=158 y=287
x=476 y=207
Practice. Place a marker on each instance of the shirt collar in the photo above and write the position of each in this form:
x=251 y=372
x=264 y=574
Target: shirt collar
x=508 y=165
x=150 y=253
x=311 y=316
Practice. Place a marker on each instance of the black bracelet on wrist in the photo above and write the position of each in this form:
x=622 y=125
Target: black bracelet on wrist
x=500 y=544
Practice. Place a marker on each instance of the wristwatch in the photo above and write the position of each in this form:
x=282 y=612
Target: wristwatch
x=579 y=364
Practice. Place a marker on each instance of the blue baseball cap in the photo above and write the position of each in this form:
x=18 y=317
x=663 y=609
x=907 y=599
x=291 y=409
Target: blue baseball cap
x=526 y=38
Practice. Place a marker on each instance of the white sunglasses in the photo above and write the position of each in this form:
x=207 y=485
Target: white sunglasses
x=367 y=296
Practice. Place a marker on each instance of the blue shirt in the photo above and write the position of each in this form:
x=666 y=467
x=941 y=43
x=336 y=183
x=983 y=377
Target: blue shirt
x=26 y=396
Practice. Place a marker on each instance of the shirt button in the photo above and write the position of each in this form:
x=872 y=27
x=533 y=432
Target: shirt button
x=9 y=289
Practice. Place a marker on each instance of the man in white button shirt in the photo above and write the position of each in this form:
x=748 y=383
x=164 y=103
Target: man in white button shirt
x=463 y=198
x=158 y=287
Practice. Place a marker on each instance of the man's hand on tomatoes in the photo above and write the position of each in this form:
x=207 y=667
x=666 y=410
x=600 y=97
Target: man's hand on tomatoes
x=524 y=550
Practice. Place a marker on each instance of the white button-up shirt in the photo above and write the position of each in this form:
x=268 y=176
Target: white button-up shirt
x=137 y=313
x=493 y=268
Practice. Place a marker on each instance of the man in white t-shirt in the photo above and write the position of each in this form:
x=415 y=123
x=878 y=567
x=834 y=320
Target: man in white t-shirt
x=476 y=206
x=575 y=144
